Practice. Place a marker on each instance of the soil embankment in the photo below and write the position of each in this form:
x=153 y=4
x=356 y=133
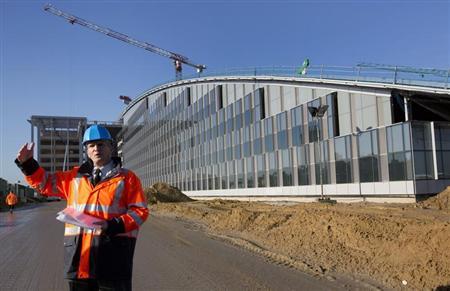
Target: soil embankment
x=396 y=245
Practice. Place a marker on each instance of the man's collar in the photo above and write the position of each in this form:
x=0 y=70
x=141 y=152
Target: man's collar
x=88 y=166
x=106 y=168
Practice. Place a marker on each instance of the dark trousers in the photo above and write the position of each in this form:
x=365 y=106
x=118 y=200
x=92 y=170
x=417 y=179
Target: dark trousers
x=11 y=207
x=99 y=285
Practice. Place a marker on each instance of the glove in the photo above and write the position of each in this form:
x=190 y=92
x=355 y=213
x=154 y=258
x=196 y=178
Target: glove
x=114 y=227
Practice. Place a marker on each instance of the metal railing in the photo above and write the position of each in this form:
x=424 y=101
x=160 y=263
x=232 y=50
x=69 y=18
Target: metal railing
x=361 y=73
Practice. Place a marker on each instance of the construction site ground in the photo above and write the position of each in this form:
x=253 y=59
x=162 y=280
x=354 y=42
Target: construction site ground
x=392 y=246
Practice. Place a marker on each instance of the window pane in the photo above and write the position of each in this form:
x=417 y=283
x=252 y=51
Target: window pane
x=332 y=115
x=261 y=171
x=273 y=169
x=397 y=139
x=240 y=173
x=230 y=119
x=368 y=156
x=282 y=140
x=313 y=122
x=238 y=112
x=287 y=169
x=399 y=155
x=268 y=142
x=343 y=159
x=257 y=146
x=231 y=175
x=397 y=169
x=250 y=173
x=297 y=136
x=281 y=121
x=322 y=163
x=303 y=165
x=423 y=164
x=224 y=174
x=216 y=177
x=257 y=130
x=406 y=137
x=210 y=178
x=297 y=116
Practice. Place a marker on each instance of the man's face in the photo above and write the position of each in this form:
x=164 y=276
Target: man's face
x=99 y=152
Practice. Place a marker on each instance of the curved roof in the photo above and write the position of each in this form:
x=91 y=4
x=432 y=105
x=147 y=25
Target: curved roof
x=368 y=76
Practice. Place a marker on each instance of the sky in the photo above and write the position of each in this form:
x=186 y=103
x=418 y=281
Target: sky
x=50 y=67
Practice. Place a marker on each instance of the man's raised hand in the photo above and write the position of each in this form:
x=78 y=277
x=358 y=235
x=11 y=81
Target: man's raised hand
x=25 y=152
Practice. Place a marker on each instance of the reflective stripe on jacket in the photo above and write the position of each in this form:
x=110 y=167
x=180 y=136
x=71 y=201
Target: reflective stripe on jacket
x=87 y=253
x=11 y=199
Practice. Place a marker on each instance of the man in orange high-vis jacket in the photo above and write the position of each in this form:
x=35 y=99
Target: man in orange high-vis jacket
x=95 y=259
x=11 y=201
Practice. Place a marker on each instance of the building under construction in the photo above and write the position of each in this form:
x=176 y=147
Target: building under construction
x=59 y=139
x=280 y=133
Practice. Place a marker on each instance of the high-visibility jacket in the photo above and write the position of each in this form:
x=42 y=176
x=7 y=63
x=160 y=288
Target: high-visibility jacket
x=119 y=197
x=11 y=199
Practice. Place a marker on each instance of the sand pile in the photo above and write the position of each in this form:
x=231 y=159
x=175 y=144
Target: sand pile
x=386 y=243
x=162 y=192
x=440 y=201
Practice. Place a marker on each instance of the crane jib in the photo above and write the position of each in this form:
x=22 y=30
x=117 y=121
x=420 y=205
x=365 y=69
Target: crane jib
x=123 y=37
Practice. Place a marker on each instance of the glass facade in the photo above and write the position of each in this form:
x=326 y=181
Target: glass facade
x=235 y=136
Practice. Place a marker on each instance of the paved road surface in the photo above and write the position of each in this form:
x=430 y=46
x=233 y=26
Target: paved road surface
x=170 y=255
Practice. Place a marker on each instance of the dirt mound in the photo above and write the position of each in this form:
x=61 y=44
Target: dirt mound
x=162 y=192
x=440 y=201
x=391 y=244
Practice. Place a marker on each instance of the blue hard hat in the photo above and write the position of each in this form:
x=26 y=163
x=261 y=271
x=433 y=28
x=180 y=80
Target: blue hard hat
x=96 y=132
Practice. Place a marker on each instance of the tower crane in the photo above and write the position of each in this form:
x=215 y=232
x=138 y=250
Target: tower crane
x=178 y=59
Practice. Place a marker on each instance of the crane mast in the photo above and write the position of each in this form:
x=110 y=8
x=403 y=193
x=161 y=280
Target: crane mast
x=178 y=59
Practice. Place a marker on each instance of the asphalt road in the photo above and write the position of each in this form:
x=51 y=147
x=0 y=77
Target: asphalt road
x=170 y=255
